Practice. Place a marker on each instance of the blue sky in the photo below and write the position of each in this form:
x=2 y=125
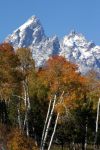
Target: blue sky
x=57 y=16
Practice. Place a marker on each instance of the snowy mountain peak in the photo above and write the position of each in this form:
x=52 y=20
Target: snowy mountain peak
x=73 y=32
x=78 y=50
x=29 y=33
x=33 y=21
x=74 y=47
x=73 y=35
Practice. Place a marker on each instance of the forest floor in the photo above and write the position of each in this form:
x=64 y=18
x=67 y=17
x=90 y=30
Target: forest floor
x=89 y=147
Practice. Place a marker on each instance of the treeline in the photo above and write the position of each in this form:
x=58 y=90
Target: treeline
x=51 y=105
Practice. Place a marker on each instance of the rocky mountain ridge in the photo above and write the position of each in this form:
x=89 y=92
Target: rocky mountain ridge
x=74 y=47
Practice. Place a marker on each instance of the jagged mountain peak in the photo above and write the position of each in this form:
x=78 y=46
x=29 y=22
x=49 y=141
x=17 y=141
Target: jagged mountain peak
x=29 y=33
x=73 y=33
x=74 y=46
x=74 y=37
x=31 y=22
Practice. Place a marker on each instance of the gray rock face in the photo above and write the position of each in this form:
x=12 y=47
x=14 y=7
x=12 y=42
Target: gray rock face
x=74 y=47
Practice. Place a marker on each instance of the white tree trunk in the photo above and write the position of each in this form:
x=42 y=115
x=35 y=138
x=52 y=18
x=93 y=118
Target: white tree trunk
x=55 y=126
x=25 y=94
x=18 y=111
x=97 y=119
x=45 y=125
x=86 y=136
x=26 y=124
x=54 y=130
x=27 y=106
x=48 y=124
x=19 y=119
x=49 y=121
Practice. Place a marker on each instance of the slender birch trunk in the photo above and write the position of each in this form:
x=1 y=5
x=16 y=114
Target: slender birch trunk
x=18 y=111
x=27 y=92
x=27 y=106
x=53 y=132
x=19 y=119
x=48 y=124
x=26 y=123
x=97 y=120
x=45 y=125
x=55 y=126
x=25 y=95
x=27 y=126
x=86 y=137
x=73 y=145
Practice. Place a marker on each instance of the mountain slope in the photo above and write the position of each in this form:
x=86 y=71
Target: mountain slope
x=77 y=49
x=31 y=34
x=73 y=47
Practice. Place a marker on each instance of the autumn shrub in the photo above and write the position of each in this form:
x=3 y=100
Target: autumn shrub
x=18 y=141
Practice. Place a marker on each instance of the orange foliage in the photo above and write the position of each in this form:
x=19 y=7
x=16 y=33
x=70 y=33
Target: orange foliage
x=61 y=75
x=58 y=73
x=10 y=77
x=18 y=141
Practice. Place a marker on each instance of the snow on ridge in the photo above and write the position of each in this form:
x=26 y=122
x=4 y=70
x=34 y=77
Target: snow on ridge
x=73 y=47
x=32 y=20
x=80 y=51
